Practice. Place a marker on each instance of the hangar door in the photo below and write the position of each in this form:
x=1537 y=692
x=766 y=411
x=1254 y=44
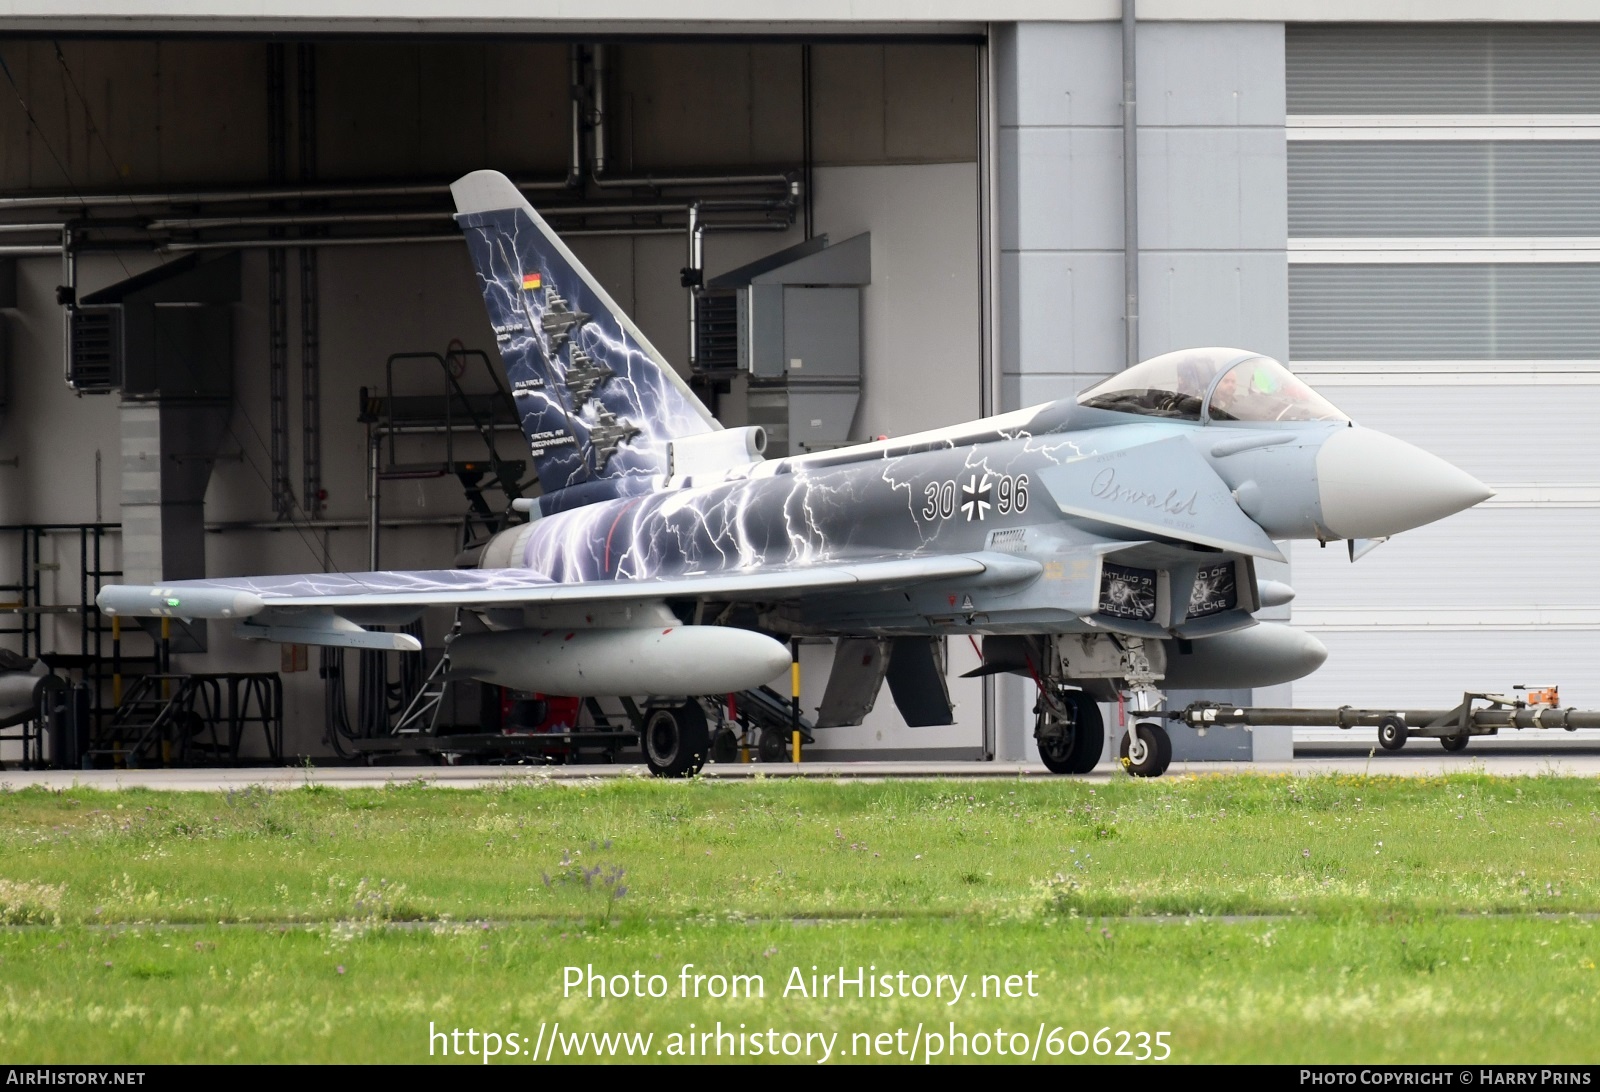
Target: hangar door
x=1444 y=222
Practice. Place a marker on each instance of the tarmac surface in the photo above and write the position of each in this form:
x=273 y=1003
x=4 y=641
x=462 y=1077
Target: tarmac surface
x=1415 y=761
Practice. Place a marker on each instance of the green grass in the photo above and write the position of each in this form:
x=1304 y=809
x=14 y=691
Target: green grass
x=1252 y=918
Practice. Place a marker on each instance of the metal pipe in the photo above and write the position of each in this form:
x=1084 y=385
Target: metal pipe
x=24 y=228
x=222 y=527
x=1200 y=716
x=20 y=250
x=298 y=219
x=806 y=159
x=597 y=69
x=692 y=277
x=289 y=219
x=67 y=294
x=650 y=181
x=222 y=197
x=373 y=486
x=311 y=494
x=990 y=386
x=575 y=89
x=1130 y=186
x=597 y=151
x=269 y=244
x=765 y=225
x=377 y=240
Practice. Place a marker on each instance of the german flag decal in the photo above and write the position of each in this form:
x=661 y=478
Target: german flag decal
x=530 y=281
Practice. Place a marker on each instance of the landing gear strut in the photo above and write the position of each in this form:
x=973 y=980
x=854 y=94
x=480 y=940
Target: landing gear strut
x=1069 y=730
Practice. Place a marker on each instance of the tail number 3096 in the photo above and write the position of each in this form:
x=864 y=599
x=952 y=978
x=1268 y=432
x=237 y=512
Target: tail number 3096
x=976 y=497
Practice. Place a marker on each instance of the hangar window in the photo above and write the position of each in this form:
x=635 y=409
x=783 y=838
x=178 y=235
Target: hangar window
x=1240 y=386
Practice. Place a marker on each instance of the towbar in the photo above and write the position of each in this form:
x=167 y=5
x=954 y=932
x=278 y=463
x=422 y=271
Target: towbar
x=1476 y=720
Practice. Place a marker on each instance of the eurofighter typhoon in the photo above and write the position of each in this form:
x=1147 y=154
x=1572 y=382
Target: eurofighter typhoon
x=1096 y=545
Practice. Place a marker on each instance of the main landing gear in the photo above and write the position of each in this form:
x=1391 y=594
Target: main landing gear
x=1069 y=729
x=1071 y=733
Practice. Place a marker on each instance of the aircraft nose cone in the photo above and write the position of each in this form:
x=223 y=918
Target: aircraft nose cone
x=1372 y=485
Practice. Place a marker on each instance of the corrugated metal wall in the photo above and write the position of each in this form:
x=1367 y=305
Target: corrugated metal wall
x=1457 y=187
x=1387 y=69
x=1444 y=312
x=1474 y=142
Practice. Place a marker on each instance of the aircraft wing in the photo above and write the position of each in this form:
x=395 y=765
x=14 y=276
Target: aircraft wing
x=282 y=602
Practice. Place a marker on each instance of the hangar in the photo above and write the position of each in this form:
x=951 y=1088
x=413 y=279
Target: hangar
x=1402 y=210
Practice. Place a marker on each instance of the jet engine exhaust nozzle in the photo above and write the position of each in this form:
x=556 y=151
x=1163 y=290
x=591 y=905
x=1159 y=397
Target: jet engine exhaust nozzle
x=1372 y=485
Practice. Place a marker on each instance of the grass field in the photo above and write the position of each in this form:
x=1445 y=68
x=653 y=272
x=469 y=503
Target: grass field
x=1248 y=918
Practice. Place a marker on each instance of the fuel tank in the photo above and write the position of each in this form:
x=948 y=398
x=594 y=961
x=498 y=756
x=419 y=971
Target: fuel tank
x=676 y=661
x=1263 y=655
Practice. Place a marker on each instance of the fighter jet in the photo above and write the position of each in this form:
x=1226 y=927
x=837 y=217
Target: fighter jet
x=584 y=377
x=607 y=434
x=1095 y=545
x=557 y=319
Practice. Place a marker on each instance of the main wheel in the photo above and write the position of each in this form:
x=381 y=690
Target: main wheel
x=1392 y=733
x=1457 y=742
x=1071 y=746
x=1150 y=754
x=675 y=740
x=773 y=746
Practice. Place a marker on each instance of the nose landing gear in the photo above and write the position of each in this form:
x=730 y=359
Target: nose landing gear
x=1146 y=750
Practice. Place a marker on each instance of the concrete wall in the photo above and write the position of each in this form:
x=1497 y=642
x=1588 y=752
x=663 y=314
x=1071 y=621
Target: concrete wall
x=1212 y=197
x=1212 y=213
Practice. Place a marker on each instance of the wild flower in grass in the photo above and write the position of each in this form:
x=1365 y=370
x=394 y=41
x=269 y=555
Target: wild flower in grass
x=571 y=875
x=23 y=903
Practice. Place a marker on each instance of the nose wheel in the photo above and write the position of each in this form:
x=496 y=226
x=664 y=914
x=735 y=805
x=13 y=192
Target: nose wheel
x=1146 y=750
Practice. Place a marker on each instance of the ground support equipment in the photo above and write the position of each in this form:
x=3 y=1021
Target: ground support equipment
x=1479 y=713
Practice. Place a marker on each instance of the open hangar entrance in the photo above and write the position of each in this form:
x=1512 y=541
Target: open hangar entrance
x=277 y=209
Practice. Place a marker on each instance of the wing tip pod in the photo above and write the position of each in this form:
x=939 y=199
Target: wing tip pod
x=150 y=601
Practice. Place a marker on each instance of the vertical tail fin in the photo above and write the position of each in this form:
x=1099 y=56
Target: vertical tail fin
x=597 y=401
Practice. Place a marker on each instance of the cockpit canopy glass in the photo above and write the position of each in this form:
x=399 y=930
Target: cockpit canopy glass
x=1235 y=384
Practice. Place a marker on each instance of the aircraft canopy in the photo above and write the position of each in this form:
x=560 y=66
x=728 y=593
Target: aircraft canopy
x=1228 y=384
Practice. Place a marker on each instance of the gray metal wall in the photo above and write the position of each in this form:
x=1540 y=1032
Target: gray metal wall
x=1444 y=205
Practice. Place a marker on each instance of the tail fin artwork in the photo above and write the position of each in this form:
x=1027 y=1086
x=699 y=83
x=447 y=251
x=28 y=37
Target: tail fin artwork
x=598 y=403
